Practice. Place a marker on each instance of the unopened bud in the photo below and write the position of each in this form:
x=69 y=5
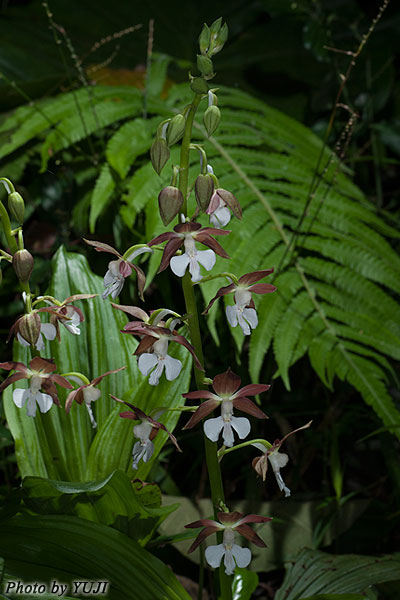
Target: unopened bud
x=170 y=201
x=199 y=86
x=23 y=264
x=203 y=189
x=29 y=327
x=176 y=129
x=219 y=35
x=204 y=39
x=16 y=206
x=159 y=154
x=230 y=201
x=211 y=119
x=205 y=66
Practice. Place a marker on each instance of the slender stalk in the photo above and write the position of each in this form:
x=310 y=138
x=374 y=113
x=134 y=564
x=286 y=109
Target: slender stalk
x=214 y=471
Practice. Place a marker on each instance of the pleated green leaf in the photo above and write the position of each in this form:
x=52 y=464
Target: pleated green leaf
x=67 y=549
x=315 y=572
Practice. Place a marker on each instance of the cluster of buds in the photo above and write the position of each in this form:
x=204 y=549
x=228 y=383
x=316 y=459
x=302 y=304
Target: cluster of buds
x=169 y=132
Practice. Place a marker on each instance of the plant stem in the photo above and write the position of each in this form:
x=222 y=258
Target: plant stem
x=214 y=471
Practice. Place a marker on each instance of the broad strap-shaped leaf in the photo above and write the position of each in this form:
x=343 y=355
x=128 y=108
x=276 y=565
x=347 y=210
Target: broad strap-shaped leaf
x=68 y=549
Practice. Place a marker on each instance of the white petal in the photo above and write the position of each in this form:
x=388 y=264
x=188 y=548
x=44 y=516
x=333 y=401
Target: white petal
x=194 y=269
x=206 y=258
x=31 y=406
x=220 y=217
x=91 y=416
x=156 y=374
x=149 y=449
x=137 y=453
x=278 y=460
x=173 y=367
x=22 y=340
x=281 y=484
x=91 y=394
x=243 y=323
x=260 y=447
x=40 y=343
x=48 y=330
x=212 y=428
x=229 y=563
x=227 y=435
x=179 y=264
x=250 y=316
x=214 y=555
x=44 y=401
x=147 y=362
x=232 y=315
x=72 y=325
x=241 y=425
x=20 y=397
x=242 y=556
x=142 y=431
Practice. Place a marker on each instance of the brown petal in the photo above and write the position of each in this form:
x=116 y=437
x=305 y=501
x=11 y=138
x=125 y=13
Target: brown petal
x=306 y=426
x=254 y=519
x=187 y=227
x=74 y=395
x=200 y=394
x=12 y=379
x=97 y=380
x=61 y=381
x=262 y=288
x=212 y=231
x=183 y=341
x=204 y=409
x=260 y=465
x=231 y=201
x=252 y=389
x=228 y=289
x=226 y=383
x=247 y=406
x=207 y=240
x=101 y=247
x=229 y=518
x=134 y=311
x=168 y=235
x=145 y=345
x=49 y=387
x=169 y=251
x=254 y=276
x=202 y=536
x=42 y=364
x=12 y=364
x=76 y=297
x=141 y=280
x=247 y=532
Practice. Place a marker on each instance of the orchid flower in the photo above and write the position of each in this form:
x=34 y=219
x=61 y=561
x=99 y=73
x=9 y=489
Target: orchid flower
x=120 y=269
x=152 y=350
x=86 y=393
x=228 y=394
x=186 y=234
x=221 y=204
x=64 y=312
x=243 y=312
x=233 y=553
x=277 y=459
x=145 y=431
x=40 y=376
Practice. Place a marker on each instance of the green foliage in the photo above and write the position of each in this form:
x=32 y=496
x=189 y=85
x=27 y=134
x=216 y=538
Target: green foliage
x=338 y=283
x=67 y=549
x=316 y=575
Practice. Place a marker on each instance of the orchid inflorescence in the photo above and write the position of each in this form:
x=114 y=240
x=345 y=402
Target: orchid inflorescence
x=156 y=330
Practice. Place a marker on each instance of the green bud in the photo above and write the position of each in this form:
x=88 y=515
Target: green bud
x=203 y=189
x=205 y=66
x=159 y=154
x=219 y=35
x=211 y=119
x=16 y=206
x=170 y=201
x=23 y=264
x=204 y=39
x=29 y=327
x=199 y=86
x=176 y=129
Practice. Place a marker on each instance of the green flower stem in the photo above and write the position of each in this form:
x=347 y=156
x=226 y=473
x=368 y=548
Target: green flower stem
x=214 y=471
